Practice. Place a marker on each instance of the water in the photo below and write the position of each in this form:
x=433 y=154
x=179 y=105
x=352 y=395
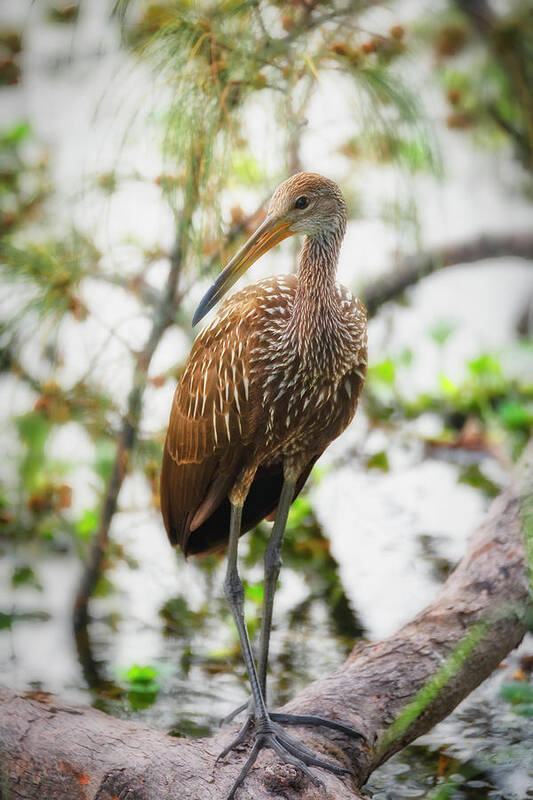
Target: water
x=375 y=546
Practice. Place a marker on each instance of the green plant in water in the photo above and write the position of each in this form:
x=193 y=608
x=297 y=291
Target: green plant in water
x=520 y=695
x=142 y=684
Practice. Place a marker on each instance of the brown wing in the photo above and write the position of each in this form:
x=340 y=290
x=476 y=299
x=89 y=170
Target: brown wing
x=213 y=422
x=210 y=428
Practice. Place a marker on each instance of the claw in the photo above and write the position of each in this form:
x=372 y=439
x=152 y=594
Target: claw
x=241 y=736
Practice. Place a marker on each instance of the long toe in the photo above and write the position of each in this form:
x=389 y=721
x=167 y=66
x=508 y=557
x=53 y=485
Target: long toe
x=243 y=734
x=300 y=751
x=270 y=735
x=235 y=713
x=299 y=719
x=245 y=770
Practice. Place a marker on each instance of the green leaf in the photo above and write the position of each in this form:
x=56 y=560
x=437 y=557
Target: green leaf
x=473 y=476
x=254 y=592
x=33 y=429
x=179 y=618
x=17 y=134
x=144 y=675
x=447 y=386
x=87 y=524
x=143 y=687
x=515 y=415
x=485 y=365
x=5 y=621
x=378 y=461
x=517 y=692
x=384 y=371
x=23 y=575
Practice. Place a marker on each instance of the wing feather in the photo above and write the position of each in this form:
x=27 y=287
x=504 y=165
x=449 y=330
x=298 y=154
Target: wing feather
x=211 y=424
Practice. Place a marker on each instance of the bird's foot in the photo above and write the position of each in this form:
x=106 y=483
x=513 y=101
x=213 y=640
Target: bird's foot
x=269 y=734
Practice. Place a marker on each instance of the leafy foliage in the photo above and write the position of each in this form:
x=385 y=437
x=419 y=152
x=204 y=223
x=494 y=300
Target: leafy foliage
x=212 y=66
x=51 y=272
x=501 y=404
x=488 y=89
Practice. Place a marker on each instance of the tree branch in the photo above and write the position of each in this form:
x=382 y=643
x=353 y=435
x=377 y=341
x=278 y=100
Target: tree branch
x=393 y=690
x=501 y=35
x=163 y=316
x=166 y=307
x=411 y=269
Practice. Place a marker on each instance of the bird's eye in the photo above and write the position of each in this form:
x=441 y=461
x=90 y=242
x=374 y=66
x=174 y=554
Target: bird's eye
x=302 y=202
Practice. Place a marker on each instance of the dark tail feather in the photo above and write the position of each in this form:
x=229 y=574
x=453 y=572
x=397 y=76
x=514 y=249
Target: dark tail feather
x=262 y=499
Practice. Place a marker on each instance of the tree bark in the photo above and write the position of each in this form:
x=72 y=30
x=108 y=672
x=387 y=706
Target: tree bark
x=392 y=690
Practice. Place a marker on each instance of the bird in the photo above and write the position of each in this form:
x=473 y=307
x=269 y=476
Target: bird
x=269 y=383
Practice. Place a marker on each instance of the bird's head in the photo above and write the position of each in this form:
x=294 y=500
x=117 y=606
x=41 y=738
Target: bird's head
x=305 y=203
x=310 y=204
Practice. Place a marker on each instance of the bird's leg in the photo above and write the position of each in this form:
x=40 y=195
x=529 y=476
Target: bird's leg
x=268 y=731
x=272 y=568
x=235 y=595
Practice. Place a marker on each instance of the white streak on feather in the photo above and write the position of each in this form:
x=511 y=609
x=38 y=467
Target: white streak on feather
x=204 y=396
x=215 y=424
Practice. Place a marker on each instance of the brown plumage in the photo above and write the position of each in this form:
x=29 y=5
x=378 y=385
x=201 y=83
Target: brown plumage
x=270 y=382
x=267 y=386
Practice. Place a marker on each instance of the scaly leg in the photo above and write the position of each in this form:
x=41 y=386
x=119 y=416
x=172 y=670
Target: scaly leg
x=235 y=595
x=272 y=568
x=268 y=732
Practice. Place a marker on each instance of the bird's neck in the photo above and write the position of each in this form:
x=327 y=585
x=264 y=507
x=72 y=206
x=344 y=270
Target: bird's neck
x=316 y=304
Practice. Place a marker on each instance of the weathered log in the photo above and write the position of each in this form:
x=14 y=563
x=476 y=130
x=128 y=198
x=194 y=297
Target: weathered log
x=54 y=750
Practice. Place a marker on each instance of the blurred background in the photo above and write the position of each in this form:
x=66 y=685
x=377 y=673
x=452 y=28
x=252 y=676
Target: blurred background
x=138 y=144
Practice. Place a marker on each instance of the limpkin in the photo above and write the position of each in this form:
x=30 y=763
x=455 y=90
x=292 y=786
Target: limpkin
x=269 y=383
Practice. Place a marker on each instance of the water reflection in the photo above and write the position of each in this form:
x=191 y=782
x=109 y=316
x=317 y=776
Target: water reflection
x=162 y=649
x=481 y=752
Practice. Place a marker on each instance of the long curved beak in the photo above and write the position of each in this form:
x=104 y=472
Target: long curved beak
x=269 y=233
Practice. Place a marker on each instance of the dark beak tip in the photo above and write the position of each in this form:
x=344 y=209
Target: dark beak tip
x=204 y=307
x=197 y=316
